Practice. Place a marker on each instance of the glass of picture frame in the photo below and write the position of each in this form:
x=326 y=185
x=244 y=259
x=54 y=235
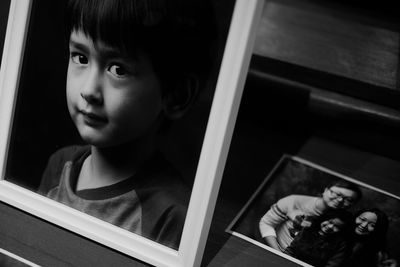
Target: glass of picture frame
x=19 y=191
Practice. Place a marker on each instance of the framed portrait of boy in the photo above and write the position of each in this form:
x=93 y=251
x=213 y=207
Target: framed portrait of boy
x=116 y=117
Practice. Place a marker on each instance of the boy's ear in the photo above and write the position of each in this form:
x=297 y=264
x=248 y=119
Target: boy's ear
x=180 y=98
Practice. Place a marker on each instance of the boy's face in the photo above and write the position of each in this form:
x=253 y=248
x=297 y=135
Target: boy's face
x=112 y=98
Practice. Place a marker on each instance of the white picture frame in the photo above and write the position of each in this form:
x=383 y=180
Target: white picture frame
x=232 y=75
x=12 y=259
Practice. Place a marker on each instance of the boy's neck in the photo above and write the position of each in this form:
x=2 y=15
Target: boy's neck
x=107 y=166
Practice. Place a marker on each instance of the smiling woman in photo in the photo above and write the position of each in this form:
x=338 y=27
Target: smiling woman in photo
x=369 y=240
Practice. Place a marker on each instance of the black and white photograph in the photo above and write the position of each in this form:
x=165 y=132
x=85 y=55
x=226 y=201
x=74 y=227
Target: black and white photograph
x=316 y=216
x=196 y=133
x=107 y=120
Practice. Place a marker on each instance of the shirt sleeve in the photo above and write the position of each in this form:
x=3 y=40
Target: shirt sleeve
x=52 y=173
x=169 y=227
x=274 y=217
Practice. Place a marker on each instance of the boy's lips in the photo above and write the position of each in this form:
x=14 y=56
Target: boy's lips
x=92 y=119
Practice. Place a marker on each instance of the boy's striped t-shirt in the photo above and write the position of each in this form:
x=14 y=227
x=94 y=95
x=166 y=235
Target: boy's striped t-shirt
x=151 y=203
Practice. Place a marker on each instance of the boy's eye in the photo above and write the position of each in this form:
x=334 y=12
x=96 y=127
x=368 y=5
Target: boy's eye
x=117 y=70
x=79 y=59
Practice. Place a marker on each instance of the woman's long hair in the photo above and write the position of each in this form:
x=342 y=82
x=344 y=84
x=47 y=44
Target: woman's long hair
x=376 y=240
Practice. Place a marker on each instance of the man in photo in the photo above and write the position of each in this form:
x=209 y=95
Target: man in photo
x=289 y=215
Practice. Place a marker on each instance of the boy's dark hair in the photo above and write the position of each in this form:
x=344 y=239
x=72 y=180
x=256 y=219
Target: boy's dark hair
x=177 y=35
x=348 y=185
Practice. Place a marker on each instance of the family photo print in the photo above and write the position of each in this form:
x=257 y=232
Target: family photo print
x=317 y=217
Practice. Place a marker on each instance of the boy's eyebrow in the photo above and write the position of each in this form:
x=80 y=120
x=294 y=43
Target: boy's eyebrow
x=108 y=51
x=78 y=45
x=105 y=51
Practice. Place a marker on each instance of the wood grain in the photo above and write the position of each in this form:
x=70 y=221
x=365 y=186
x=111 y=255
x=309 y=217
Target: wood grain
x=318 y=38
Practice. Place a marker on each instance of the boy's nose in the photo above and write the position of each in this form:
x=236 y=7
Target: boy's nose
x=91 y=90
x=91 y=99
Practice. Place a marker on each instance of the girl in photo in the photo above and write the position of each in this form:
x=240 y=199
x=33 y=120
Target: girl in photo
x=324 y=243
x=368 y=240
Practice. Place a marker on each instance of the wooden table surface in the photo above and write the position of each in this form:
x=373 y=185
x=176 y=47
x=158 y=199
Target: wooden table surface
x=333 y=48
